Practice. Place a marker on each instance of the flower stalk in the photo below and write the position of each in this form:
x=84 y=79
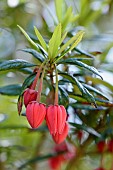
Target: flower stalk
x=56 y=89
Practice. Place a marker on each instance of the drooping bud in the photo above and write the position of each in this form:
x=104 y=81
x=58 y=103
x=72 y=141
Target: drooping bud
x=29 y=95
x=59 y=138
x=35 y=113
x=100 y=168
x=56 y=118
x=101 y=146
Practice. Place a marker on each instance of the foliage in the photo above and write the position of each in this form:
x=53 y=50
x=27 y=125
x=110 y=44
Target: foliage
x=66 y=47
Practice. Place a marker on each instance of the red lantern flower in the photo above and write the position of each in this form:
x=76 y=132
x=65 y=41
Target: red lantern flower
x=35 y=113
x=56 y=118
x=100 y=168
x=101 y=146
x=59 y=138
x=29 y=95
x=65 y=152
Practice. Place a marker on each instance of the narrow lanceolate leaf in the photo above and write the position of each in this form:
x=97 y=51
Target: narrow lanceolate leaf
x=90 y=88
x=84 y=53
x=100 y=102
x=38 y=159
x=63 y=37
x=15 y=64
x=84 y=91
x=75 y=39
x=59 y=7
x=28 y=37
x=35 y=53
x=74 y=61
x=85 y=128
x=74 y=18
x=85 y=107
x=26 y=70
x=11 y=90
x=67 y=18
x=64 y=100
x=97 y=81
x=28 y=81
x=40 y=38
x=54 y=42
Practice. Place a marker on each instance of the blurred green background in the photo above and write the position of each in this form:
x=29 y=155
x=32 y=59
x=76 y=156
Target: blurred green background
x=17 y=142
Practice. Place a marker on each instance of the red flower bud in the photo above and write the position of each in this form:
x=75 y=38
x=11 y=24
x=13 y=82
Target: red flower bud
x=56 y=118
x=101 y=146
x=59 y=138
x=35 y=113
x=110 y=146
x=29 y=95
x=100 y=168
x=55 y=162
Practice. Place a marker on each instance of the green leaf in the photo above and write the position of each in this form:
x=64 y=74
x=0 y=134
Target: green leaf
x=11 y=90
x=26 y=70
x=74 y=61
x=15 y=64
x=28 y=37
x=85 y=106
x=36 y=54
x=44 y=53
x=27 y=82
x=74 y=18
x=37 y=159
x=84 y=52
x=41 y=40
x=100 y=102
x=59 y=5
x=75 y=38
x=90 y=88
x=84 y=91
x=85 y=128
x=54 y=42
x=67 y=18
x=64 y=100
x=98 y=81
x=63 y=37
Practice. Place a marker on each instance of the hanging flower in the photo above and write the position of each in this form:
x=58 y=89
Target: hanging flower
x=59 y=138
x=100 y=168
x=101 y=146
x=35 y=113
x=29 y=95
x=56 y=118
x=64 y=153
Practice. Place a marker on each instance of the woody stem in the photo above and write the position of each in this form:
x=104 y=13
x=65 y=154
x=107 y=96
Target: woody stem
x=37 y=76
x=56 y=89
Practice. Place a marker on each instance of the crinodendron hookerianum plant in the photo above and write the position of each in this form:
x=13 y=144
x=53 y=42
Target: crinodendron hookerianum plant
x=49 y=57
x=59 y=51
x=62 y=94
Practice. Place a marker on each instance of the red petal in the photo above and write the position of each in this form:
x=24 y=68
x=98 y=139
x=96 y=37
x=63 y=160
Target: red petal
x=29 y=114
x=59 y=138
x=61 y=118
x=29 y=95
x=51 y=119
x=35 y=114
